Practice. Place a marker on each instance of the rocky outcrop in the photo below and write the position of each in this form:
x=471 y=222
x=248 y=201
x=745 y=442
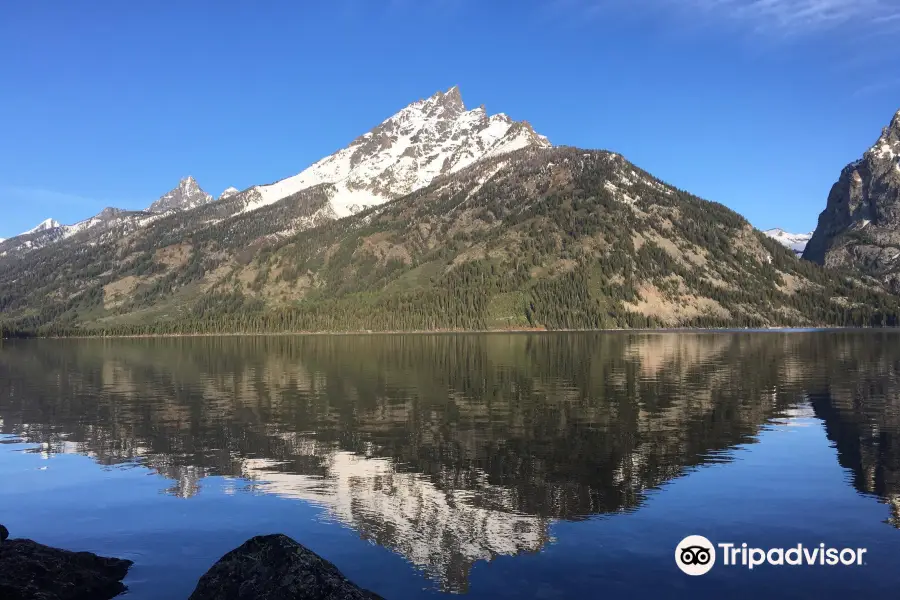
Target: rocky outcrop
x=32 y=571
x=276 y=567
x=186 y=196
x=860 y=226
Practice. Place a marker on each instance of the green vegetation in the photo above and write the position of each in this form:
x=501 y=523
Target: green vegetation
x=558 y=239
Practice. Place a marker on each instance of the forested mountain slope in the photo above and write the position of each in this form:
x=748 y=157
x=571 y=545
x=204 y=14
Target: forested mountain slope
x=540 y=237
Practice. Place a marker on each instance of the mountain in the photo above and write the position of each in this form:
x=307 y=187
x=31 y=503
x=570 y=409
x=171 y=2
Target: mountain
x=228 y=193
x=860 y=226
x=795 y=241
x=42 y=226
x=428 y=138
x=555 y=238
x=504 y=231
x=107 y=225
x=186 y=196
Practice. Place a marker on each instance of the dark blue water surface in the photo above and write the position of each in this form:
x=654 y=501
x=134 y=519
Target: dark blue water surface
x=491 y=466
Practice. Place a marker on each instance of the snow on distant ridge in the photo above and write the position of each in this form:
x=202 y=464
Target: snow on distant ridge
x=406 y=152
x=229 y=192
x=42 y=226
x=795 y=241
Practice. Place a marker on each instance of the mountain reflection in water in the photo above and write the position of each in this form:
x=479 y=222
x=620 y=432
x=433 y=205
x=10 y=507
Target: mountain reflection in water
x=452 y=449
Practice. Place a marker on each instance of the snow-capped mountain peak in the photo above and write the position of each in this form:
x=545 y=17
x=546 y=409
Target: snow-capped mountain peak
x=795 y=241
x=229 y=192
x=42 y=226
x=186 y=196
x=406 y=152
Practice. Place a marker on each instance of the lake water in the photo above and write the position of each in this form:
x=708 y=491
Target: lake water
x=543 y=466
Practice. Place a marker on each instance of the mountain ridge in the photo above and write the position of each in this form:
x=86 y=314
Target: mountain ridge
x=378 y=166
x=491 y=236
x=558 y=238
x=42 y=226
x=795 y=241
x=185 y=197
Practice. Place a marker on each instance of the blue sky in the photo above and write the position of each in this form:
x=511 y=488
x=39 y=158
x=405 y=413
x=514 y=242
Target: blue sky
x=757 y=104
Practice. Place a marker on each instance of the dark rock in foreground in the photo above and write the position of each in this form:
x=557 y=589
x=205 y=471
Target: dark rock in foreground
x=276 y=567
x=32 y=571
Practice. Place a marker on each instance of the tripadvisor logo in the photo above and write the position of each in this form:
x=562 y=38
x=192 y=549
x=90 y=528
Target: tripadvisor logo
x=696 y=555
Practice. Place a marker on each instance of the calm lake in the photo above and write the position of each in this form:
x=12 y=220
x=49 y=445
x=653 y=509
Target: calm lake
x=544 y=466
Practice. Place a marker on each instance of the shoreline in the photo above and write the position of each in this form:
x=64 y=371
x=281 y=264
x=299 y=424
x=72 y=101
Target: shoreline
x=538 y=330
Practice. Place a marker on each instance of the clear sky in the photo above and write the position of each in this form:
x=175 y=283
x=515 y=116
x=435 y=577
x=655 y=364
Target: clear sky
x=757 y=104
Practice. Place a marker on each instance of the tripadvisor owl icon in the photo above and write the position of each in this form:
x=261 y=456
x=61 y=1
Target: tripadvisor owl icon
x=695 y=555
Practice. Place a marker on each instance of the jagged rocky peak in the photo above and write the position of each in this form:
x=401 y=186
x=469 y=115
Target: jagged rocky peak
x=186 y=196
x=229 y=192
x=894 y=126
x=406 y=152
x=441 y=105
x=887 y=148
x=860 y=226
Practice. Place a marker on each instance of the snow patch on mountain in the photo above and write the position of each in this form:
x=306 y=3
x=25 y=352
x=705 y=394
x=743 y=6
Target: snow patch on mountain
x=346 y=201
x=406 y=152
x=795 y=241
x=44 y=225
x=70 y=230
x=887 y=147
x=228 y=193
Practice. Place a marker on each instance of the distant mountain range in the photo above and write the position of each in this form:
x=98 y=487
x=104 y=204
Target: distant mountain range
x=186 y=196
x=795 y=241
x=438 y=218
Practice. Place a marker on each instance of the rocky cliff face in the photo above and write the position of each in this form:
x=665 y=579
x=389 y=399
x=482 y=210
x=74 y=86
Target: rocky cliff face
x=860 y=226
